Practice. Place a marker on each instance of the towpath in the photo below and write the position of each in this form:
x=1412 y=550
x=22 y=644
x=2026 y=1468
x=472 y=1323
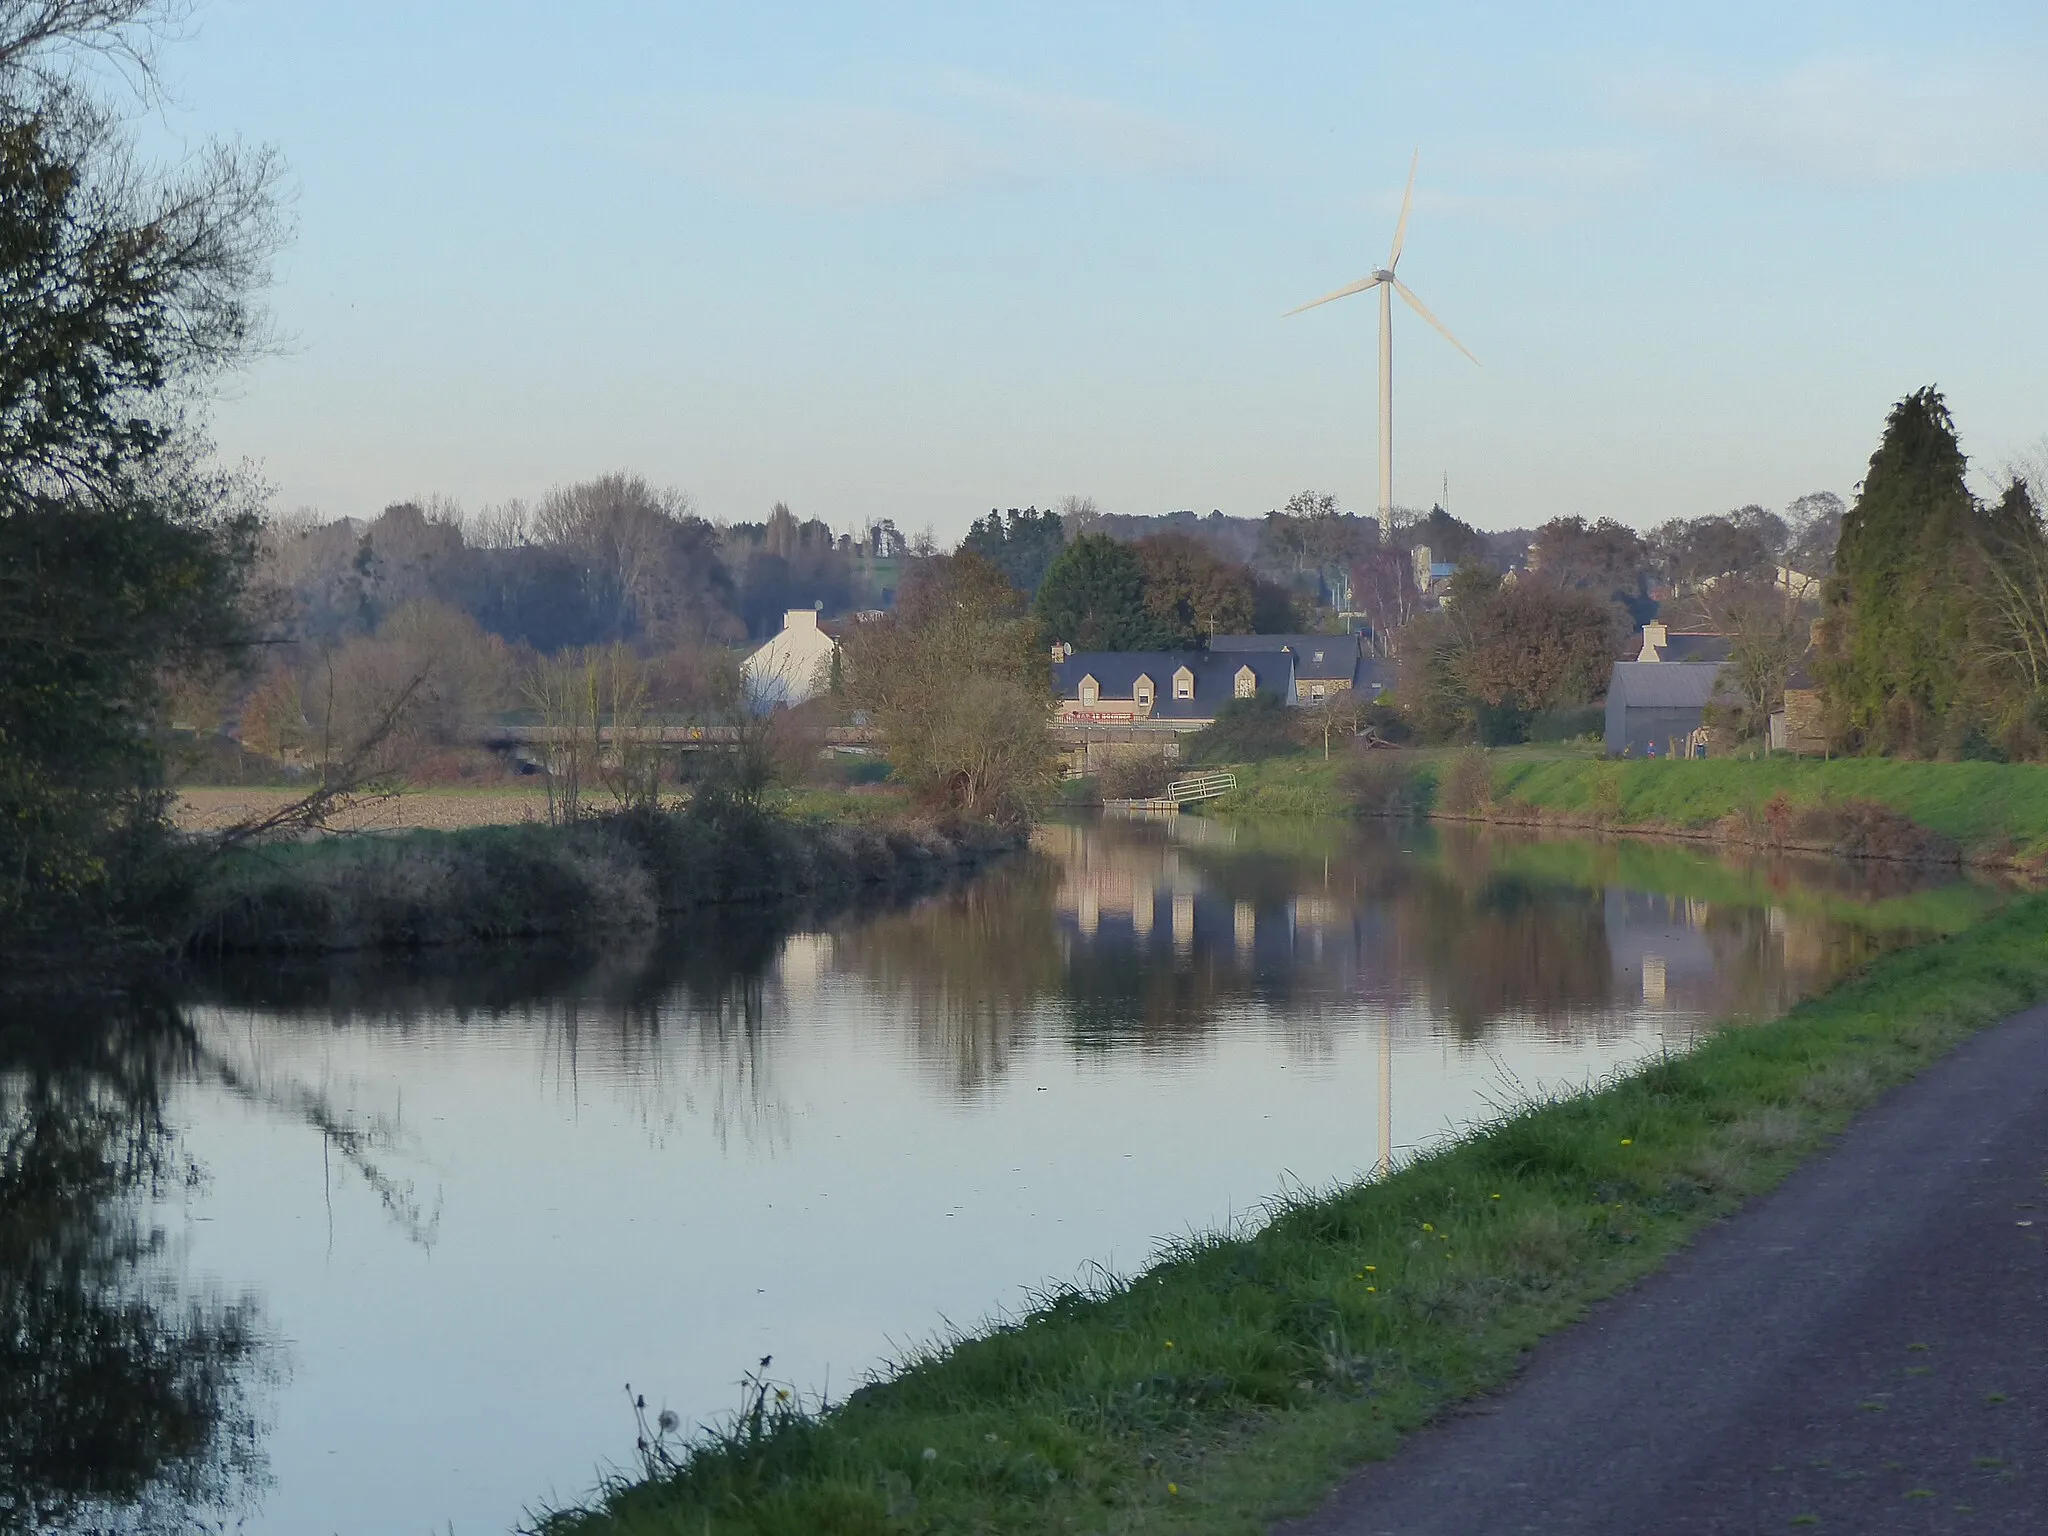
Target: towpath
x=1863 y=1350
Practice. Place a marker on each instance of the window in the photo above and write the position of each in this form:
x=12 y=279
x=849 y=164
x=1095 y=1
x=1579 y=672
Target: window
x=1247 y=682
x=1091 y=691
x=1183 y=684
x=1141 y=691
x=1315 y=690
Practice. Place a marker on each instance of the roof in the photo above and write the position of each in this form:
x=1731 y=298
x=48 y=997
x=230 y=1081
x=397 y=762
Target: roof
x=1663 y=684
x=1117 y=672
x=1695 y=647
x=1316 y=657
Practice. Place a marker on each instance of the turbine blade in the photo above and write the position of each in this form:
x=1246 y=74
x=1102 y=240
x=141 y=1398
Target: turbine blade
x=1416 y=304
x=1407 y=202
x=1342 y=293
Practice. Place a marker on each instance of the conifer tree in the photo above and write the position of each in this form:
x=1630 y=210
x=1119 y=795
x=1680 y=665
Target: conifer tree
x=1897 y=608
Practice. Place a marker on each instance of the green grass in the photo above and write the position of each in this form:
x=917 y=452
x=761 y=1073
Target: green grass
x=1991 y=811
x=1239 y=1378
x=1983 y=807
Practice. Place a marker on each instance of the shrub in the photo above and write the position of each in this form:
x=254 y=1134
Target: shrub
x=1568 y=724
x=1135 y=773
x=1383 y=784
x=1246 y=731
x=1467 y=785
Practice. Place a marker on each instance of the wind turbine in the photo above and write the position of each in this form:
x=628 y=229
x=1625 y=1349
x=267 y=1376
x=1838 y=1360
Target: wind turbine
x=1388 y=285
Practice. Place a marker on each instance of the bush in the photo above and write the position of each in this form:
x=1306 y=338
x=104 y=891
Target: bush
x=1135 y=773
x=1467 y=785
x=1568 y=723
x=1383 y=784
x=1246 y=731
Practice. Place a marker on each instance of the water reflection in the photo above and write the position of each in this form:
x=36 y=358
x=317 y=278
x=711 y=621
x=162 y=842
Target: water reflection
x=480 y=1190
x=128 y=1399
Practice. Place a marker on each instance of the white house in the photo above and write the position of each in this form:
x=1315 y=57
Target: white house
x=792 y=667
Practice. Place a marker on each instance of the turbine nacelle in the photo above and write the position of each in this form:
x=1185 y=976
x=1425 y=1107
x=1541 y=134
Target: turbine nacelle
x=1383 y=277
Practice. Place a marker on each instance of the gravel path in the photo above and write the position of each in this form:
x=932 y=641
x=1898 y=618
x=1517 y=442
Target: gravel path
x=1864 y=1350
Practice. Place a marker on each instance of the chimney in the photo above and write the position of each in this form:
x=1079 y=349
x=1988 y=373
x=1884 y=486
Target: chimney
x=800 y=618
x=1655 y=638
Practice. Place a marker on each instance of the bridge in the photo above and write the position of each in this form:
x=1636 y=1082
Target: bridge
x=683 y=736
x=1201 y=786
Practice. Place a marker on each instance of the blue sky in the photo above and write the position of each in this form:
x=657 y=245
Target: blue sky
x=916 y=261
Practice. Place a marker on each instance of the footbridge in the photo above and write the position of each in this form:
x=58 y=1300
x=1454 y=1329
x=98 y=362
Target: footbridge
x=1200 y=786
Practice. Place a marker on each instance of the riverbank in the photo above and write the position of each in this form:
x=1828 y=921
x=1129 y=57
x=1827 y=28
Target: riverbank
x=1237 y=1380
x=1992 y=815
x=623 y=870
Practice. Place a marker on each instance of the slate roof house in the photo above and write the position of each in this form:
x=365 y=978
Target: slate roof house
x=1323 y=664
x=1656 y=704
x=1183 y=689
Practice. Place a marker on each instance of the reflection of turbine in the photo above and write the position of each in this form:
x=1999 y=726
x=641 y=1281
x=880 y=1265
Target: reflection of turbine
x=1386 y=1094
x=1388 y=285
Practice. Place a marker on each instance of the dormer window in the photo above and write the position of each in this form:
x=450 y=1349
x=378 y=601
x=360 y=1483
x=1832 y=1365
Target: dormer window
x=1141 y=691
x=1247 y=682
x=1091 y=691
x=1183 y=684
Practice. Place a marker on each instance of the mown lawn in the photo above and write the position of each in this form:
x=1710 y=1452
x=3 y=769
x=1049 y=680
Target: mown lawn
x=1237 y=1380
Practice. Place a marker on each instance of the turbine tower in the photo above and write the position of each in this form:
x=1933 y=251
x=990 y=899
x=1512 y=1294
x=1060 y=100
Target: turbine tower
x=1388 y=285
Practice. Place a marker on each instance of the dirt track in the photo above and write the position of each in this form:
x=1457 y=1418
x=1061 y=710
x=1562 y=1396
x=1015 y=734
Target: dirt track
x=445 y=810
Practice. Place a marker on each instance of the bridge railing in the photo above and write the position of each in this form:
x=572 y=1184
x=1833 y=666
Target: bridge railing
x=1201 y=786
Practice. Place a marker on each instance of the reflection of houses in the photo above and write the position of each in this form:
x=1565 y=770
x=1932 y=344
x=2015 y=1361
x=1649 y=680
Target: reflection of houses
x=1181 y=690
x=1656 y=704
x=1323 y=664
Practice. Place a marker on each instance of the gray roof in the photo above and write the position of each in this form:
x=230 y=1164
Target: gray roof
x=1712 y=648
x=1316 y=657
x=1663 y=684
x=1117 y=672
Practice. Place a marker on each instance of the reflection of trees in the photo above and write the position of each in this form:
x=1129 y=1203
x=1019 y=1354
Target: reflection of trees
x=125 y=1404
x=677 y=1021
x=968 y=967
x=1486 y=946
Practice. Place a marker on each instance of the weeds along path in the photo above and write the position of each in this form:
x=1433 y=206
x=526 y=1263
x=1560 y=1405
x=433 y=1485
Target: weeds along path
x=1863 y=1350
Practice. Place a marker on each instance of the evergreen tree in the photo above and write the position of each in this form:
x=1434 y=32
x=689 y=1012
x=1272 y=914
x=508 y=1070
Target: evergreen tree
x=1093 y=598
x=1023 y=548
x=1897 y=608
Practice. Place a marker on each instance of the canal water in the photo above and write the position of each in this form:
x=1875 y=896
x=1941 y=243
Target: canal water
x=376 y=1247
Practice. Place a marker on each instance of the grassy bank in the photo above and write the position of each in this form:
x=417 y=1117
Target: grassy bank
x=526 y=881
x=1235 y=1381
x=1987 y=813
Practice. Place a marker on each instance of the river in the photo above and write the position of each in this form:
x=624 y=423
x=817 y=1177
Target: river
x=376 y=1246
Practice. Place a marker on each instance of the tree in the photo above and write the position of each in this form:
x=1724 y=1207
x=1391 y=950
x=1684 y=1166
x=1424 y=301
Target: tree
x=1448 y=540
x=1813 y=524
x=1896 y=611
x=1498 y=653
x=1191 y=592
x=1383 y=589
x=1023 y=548
x=650 y=565
x=1694 y=551
x=957 y=683
x=1606 y=558
x=1309 y=535
x=122 y=556
x=1767 y=629
x=1342 y=713
x=1093 y=598
x=1534 y=649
